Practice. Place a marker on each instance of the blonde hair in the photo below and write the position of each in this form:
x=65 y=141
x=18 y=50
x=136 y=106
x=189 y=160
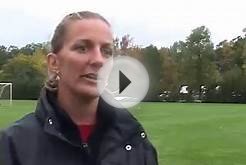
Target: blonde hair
x=60 y=31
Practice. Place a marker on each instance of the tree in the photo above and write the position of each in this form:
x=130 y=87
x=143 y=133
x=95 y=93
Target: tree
x=29 y=49
x=231 y=59
x=151 y=60
x=169 y=83
x=27 y=73
x=197 y=64
x=122 y=46
x=3 y=56
x=13 y=50
x=224 y=56
x=169 y=70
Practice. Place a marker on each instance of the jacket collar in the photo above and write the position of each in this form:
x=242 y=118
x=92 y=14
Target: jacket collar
x=114 y=123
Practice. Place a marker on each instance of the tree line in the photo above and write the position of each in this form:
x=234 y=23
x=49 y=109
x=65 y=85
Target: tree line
x=191 y=70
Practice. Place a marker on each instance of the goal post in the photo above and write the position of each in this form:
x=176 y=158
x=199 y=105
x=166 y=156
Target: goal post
x=6 y=93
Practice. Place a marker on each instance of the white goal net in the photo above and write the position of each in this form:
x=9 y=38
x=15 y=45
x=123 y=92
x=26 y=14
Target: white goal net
x=6 y=92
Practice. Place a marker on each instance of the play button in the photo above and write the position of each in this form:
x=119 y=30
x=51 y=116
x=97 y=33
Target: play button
x=124 y=82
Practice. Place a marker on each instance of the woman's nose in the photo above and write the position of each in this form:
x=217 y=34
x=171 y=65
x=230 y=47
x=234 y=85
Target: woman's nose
x=97 y=59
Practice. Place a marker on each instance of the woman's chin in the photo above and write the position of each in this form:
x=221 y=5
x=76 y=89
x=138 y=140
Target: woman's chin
x=88 y=92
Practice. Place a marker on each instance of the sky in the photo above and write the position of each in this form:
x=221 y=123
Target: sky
x=157 y=22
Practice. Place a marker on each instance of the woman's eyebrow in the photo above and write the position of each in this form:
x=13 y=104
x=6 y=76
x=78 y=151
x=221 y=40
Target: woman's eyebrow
x=83 y=41
x=90 y=42
x=108 y=44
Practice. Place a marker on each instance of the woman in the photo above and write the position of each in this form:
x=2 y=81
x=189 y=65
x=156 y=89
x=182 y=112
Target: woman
x=71 y=124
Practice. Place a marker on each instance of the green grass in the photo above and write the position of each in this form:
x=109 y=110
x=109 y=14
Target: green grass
x=196 y=134
x=9 y=114
x=183 y=133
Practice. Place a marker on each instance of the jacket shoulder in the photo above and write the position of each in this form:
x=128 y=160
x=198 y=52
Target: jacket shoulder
x=27 y=124
x=17 y=138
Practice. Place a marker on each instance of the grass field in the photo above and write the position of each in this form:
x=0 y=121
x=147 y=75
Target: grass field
x=183 y=133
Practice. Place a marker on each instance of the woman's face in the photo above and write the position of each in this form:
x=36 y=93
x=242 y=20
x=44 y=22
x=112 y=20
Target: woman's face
x=87 y=46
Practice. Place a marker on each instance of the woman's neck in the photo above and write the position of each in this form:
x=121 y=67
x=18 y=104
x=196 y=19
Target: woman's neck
x=81 y=111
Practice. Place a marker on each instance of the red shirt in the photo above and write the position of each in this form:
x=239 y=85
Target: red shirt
x=85 y=132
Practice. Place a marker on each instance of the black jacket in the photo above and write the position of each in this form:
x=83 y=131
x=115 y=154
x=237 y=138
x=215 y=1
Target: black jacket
x=49 y=137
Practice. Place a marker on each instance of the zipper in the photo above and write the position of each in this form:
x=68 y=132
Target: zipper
x=85 y=148
x=87 y=152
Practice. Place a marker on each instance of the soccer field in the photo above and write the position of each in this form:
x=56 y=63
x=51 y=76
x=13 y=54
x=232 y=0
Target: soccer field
x=183 y=133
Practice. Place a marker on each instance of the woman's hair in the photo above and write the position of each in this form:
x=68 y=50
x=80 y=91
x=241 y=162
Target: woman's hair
x=60 y=31
x=58 y=38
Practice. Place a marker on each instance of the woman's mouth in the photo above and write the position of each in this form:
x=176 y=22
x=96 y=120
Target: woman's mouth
x=91 y=76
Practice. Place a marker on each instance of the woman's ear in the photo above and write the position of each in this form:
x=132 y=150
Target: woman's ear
x=52 y=62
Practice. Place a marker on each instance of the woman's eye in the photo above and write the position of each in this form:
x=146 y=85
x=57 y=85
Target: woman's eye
x=81 y=49
x=107 y=52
